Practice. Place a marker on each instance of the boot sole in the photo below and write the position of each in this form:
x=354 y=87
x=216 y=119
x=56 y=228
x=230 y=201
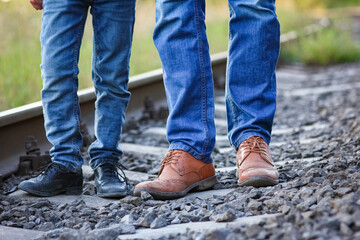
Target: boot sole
x=112 y=195
x=198 y=186
x=67 y=191
x=258 y=181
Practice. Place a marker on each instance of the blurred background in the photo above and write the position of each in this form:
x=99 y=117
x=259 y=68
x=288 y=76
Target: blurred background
x=336 y=43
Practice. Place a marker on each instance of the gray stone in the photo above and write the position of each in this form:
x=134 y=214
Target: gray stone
x=73 y=234
x=136 y=201
x=5 y=216
x=18 y=234
x=198 y=226
x=176 y=220
x=46 y=226
x=255 y=205
x=227 y=216
x=41 y=203
x=153 y=203
x=219 y=234
x=102 y=223
x=345 y=229
x=342 y=191
x=89 y=188
x=127 y=219
x=145 y=196
x=56 y=233
x=333 y=224
x=255 y=194
x=159 y=222
x=216 y=201
x=193 y=218
x=29 y=225
x=210 y=193
x=148 y=219
x=86 y=227
x=253 y=230
x=5 y=203
x=284 y=209
x=274 y=203
x=91 y=201
x=113 y=231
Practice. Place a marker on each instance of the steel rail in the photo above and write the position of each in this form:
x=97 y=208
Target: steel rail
x=19 y=123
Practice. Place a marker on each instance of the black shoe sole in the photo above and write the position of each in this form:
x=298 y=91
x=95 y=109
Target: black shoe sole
x=67 y=191
x=112 y=194
x=198 y=186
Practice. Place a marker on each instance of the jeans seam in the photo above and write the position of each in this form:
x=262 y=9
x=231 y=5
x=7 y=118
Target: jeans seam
x=75 y=102
x=231 y=11
x=203 y=78
x=95 y=56
x=94 y=68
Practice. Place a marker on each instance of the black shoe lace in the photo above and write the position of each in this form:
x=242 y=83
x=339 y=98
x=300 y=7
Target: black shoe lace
x=114 y=167
x=120 y=167
x=42 y=170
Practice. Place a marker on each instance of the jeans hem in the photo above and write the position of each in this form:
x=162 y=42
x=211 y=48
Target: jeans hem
x=245 y=136
x=71 y=166
x=97 y=162
x=192 y=152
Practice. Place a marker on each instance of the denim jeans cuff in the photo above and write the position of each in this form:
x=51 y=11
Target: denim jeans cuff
x=192 y=152
x=68 y=165
x=247 y=135
x=95 y=163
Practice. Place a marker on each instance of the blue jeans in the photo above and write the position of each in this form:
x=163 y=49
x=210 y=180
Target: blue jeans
x=254 y=43
x=61 y=34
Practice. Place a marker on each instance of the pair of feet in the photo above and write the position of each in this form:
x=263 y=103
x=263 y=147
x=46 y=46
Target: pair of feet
x=181 y=173
x=56 y=179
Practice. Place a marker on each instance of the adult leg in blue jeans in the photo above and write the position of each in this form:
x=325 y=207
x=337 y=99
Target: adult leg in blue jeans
x=62 y=30
x=180 y=38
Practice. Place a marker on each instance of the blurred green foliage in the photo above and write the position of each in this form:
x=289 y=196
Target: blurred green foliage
x=330 y=46
x=20 y=80
x=20 y=77
x=311 y=4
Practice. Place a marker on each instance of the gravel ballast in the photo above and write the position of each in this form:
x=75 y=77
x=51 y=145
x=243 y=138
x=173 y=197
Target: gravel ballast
x=318 y=195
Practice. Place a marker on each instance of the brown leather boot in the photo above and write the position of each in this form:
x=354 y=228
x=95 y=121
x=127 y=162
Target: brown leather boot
x=179 y=173
x=255 y=167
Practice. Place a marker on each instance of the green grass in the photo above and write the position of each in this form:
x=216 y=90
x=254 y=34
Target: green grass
x=144 y=56
x=292 y=20
x=310 y=4
x=20 y=80
x=331 y=46
x=21 y=83
x=15 y=68
x=217 y=33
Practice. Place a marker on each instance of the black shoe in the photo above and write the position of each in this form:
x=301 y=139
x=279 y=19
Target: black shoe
x=108 y=182
x=55 y=179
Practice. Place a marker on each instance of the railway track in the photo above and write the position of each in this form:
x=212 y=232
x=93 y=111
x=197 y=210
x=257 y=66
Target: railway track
x=16 y=125
x=315 y=145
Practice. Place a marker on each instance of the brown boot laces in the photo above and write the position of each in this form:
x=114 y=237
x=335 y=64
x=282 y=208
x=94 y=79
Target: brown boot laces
x=169 y=158
x=255 y=145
